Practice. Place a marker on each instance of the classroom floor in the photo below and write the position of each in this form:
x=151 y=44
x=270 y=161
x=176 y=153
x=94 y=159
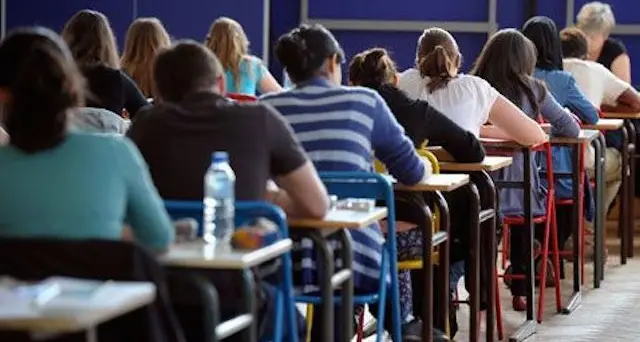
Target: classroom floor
x=607 y=314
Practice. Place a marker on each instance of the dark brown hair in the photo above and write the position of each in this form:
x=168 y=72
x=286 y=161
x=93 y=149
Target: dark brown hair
x=372 y=68
x=185 y=68
x=574 y=43
x=507 y=62
x=437 y=57
x=304 y=50
x=43 y=83
x=91 y=40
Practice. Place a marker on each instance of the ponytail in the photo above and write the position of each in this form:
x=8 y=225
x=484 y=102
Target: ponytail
x=438 y=66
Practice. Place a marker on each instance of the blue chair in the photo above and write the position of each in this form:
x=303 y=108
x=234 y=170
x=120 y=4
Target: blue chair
x=245 y=213
x=374 y=186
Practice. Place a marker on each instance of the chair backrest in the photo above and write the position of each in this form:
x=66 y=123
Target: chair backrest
x=36 y=259
x=242 y=97
x=98 y=120
x=245 y=213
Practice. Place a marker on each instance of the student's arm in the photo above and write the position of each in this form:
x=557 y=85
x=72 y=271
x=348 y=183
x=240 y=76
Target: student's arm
x=267 y=83
x=629 y=100
x=512 y=122
x=304 y=193
x=621 y=67
x=562 y=122
x=133 y=97
x=394 y=149
x=145 y=211
x=579 y=104
x=463 y=146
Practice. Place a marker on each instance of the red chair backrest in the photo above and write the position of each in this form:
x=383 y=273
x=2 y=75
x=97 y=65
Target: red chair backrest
x=242 y=97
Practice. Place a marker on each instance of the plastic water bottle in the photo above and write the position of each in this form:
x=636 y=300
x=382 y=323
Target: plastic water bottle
x=219 y=201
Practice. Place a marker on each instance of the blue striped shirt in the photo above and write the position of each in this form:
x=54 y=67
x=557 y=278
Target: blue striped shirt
x=339 y=127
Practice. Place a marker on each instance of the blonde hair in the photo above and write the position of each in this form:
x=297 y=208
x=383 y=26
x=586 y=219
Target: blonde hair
x=596 y=17
x=145 y=38
x=227 y=40
x=90 y=39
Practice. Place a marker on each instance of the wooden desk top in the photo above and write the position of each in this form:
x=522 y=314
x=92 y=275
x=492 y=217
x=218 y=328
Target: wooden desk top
x=502 y=143
x=627 y=116
x=65 y=315
x=440 y=182
x=447 y=163
x=342 y=219
x=201 y=255
x=586 y=135
x=606 y=125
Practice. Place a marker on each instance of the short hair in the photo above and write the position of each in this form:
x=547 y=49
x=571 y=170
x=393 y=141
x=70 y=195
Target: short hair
x=596 y=17
x=574 y=43
x=185 y=68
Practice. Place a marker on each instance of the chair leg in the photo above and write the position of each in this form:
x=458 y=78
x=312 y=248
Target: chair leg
x=505 y=245
x=498 y=309
x=360 y=332
x=556 y=260
x=309 y=319
x=544 y=257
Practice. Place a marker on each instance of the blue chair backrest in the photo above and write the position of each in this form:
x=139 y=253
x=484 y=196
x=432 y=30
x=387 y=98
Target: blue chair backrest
x=358 y=184
x=246 y=213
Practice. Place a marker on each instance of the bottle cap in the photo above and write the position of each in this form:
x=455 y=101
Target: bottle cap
x=220 y=157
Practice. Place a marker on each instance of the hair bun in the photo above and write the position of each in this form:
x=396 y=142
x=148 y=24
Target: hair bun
x=292 y=53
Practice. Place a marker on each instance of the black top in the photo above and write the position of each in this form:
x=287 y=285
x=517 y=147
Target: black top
x=611 y=49
x=113 y=90
x=177 y=139
x=422 y=122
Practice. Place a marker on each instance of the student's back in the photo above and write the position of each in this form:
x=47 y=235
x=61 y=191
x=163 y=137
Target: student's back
x=248 y=79
x=467 y=100
x=84 y=188
x=177 y=140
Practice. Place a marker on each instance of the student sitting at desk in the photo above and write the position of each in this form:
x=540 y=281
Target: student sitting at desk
x=61 y=184
x=339 y=127
x=470 y=102
x=603 y=89
x=507 y=62
x=549 y=68
x=374 y=69
x=91 y=41
x=192 y=118
x=245 y=74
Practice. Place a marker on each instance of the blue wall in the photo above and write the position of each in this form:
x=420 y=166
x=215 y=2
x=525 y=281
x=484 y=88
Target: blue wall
x=191 y=19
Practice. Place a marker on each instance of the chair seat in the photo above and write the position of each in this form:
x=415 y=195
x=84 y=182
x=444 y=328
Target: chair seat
x=357 y=299
x=565 y=201
x=401 y=226
x=511 y=220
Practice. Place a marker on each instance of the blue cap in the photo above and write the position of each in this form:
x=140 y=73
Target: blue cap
x=220 y=157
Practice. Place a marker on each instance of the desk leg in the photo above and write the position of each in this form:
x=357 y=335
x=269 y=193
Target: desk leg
x=600 y=212
x=443 y=261
x=324 y=258
x=250 y=334
x=488 y=238
x=631 y=226
x=346 y=310
x=576 y=297
x=427 y=276
x=474 y=268
x=92 y=335
x=624 y=195
x=528 y=328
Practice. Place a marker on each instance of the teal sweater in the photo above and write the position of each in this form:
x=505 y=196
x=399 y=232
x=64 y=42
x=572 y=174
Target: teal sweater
x=85 y=188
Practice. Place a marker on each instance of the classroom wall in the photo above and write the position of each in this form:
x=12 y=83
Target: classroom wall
x=192 y=18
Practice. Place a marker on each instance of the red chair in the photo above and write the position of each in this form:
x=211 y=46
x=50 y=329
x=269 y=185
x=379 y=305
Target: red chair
x=550 y=231
x=242 y=97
